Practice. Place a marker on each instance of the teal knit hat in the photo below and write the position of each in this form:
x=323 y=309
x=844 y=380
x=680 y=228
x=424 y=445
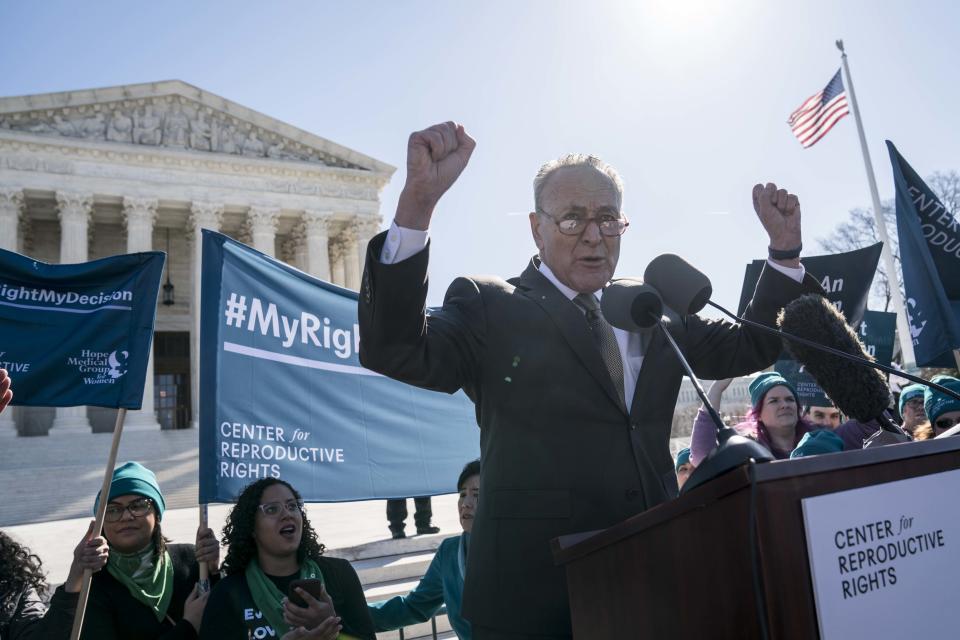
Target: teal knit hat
x=910 y=391
x=935 y=403
x=133 y=477
x=683 y=457
x=813 y=443
x=766 y=381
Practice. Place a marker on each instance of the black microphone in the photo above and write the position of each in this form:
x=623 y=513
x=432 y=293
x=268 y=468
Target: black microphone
x=858 y=391
x=631 y=305
x=683 y=287
x=686 y=290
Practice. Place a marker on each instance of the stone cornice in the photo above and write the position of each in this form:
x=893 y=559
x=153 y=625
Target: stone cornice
x=88 y=103
x=67 y=149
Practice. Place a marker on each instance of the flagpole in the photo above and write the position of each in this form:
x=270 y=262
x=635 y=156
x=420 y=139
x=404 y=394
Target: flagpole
x=903 y=323
x=98 y=528
x=204 y=568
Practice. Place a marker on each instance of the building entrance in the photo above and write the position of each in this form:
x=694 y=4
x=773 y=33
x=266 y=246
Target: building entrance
x=171 y=382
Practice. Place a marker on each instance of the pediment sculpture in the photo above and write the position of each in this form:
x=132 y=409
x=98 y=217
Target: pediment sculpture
x=172 y=122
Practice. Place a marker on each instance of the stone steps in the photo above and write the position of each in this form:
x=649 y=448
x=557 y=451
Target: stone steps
x=393 y=567
x=55 y=477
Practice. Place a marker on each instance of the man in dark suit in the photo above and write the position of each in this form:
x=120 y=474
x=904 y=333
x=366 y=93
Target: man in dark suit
x=574 y=415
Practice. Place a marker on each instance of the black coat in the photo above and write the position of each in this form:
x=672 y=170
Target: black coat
x=23 y=616
x=558 y=453
x=113 y=614
x=231 y=613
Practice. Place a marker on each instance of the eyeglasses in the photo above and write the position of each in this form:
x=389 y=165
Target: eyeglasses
x=274 y=509
x=946 y=423
x=137 y=509
x=573 y=224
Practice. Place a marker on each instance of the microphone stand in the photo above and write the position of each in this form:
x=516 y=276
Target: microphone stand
x=733 y=449
x=842 y=354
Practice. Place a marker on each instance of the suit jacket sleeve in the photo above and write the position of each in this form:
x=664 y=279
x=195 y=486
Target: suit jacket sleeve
x=438 y=350
x=721 y=349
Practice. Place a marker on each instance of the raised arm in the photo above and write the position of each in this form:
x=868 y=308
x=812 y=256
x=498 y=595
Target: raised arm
x=703 y=438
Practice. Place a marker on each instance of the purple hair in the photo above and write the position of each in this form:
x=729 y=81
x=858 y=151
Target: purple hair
x=753 y=426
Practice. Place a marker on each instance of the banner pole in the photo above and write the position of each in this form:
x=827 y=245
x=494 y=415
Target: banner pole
x=204 y=569
x=903 y=322
x=98 y=527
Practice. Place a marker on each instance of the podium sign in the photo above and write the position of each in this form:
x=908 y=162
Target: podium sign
x=884 y=559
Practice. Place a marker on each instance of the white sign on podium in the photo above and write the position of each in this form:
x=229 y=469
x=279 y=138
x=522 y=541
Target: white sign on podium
x=885 y=559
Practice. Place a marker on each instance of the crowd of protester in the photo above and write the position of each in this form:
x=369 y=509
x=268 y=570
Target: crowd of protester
x=275 y=580
x=776 y=421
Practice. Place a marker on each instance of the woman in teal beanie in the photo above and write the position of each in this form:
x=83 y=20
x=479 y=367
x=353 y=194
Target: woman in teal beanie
x=943 y=411
x=149 y=588
x=774 y=419
x=911 y=408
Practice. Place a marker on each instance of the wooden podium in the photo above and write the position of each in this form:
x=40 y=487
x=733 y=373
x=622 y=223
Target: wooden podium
x=688 y=568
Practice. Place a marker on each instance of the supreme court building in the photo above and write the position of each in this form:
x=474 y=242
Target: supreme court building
x=99 y=172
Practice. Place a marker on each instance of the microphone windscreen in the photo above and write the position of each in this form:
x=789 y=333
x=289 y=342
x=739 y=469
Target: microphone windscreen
x=858 y=391
x=683 y=287
x=630 y=304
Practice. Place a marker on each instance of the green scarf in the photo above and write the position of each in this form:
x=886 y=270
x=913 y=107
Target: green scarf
x=268 y=598
x=148 y=581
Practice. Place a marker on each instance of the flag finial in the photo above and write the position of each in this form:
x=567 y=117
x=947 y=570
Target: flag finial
x=840 y=46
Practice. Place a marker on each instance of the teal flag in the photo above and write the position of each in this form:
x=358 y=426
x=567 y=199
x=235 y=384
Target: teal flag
x=78 y=334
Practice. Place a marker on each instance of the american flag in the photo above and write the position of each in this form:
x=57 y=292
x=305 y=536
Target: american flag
x=819 y=112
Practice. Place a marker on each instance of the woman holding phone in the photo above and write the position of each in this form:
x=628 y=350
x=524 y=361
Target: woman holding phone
x=273 y=560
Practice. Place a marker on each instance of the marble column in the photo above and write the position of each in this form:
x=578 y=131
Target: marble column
x=351 y=269
x=292 y=250
x=337 y=253
x=139 y=215
x=316 y=240
x=262 y=222
x=203 y=215
x=75 y=211
x=11 y=209
x=365 y=229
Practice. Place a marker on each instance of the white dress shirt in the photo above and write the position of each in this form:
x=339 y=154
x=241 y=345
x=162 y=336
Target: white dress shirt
x=401 y=243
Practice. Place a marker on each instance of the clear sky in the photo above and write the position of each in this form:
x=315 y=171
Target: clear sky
x=688 y=99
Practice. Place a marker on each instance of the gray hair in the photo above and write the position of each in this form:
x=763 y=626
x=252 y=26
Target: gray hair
x=574 y=160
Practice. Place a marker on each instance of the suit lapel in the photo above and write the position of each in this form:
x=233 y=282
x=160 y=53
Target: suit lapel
x=571 y=323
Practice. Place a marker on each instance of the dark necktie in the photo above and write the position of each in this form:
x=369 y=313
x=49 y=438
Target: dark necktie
x=606 y=341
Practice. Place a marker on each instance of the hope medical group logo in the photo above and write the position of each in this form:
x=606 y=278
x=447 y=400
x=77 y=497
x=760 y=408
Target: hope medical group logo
x=100 y=367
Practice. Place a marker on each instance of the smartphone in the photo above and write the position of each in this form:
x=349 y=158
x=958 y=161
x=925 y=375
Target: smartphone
x=310 y=585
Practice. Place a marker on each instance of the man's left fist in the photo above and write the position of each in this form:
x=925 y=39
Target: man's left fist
x=779 y=212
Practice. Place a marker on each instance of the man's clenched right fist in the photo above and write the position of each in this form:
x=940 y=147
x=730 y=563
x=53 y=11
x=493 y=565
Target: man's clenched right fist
x=435 y=158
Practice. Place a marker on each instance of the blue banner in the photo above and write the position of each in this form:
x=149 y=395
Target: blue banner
x=930 y=260
x=78 y=334
x=282 y=393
